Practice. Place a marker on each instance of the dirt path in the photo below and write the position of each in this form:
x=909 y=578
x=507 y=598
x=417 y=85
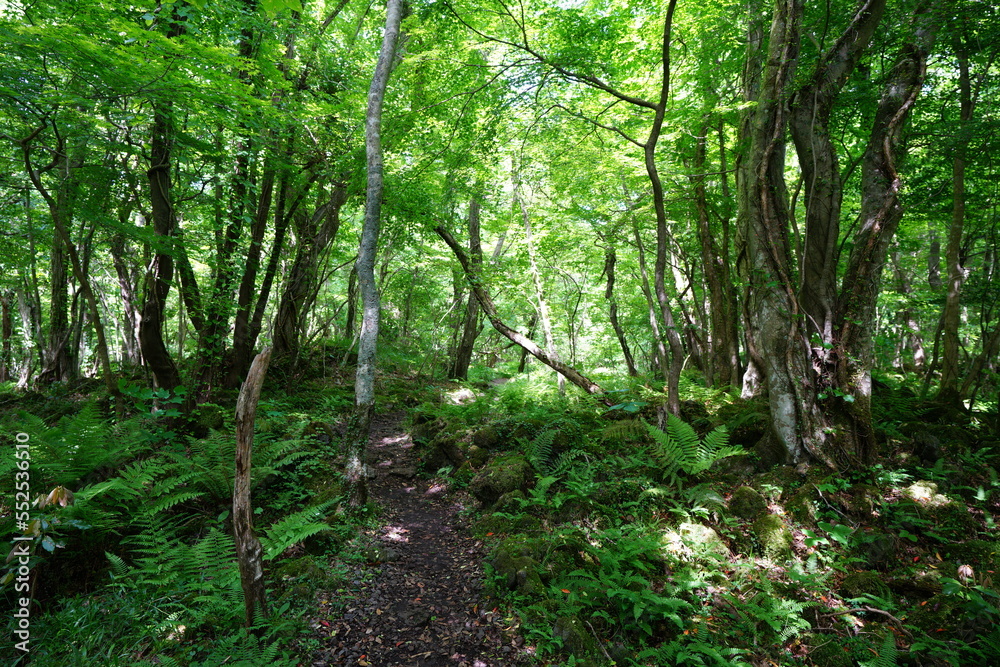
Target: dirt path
x=423 y=607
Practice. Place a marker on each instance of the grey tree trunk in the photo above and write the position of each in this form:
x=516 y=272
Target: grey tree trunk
x=364 y=383
x=248 y=548
x=470 y=327
x=948 y=389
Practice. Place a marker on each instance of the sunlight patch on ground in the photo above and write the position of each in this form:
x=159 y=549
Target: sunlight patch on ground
x=392 y=439
x=396 y=534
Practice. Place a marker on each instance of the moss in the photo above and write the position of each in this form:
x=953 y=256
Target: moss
x=486 y=438
x=574 y=636
x=858 y=584
x=694 y=539
x=863 y=500
x=774 y=536
x=827 y=651
x=478 y=456
x=983 y=555
x=940 y=612
x=502 y=475
x=802 y=505
x=515 y=563
x=498 y=525
x=509 y=503
x=747 y=503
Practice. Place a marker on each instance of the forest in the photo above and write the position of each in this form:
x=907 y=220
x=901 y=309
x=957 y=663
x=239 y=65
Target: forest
x=499 y=332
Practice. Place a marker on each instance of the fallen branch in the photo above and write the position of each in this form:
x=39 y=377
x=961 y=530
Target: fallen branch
x=513 y=335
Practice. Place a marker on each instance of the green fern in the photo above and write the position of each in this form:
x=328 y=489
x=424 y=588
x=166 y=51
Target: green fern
x=625 y=431
x=295 y=528
x=887 y=655
x=539 y=450
x=679 y=450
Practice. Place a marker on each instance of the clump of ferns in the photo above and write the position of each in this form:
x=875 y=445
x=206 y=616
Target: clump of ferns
x=678 y=451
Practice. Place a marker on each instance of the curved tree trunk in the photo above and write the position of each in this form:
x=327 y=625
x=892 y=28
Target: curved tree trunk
x=536 y=278
x=881 y=211
x=514 y=336
x=359 y=428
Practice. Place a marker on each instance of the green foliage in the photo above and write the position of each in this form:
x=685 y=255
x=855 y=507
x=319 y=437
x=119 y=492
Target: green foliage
x=680 y=450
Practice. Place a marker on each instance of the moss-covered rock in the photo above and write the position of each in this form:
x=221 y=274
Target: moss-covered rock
x=510 y=502
x=477 y=456
x=948 y=516
x=441 y=452
x=827 y=651
x=879 y=551
x=802 y=505
x=487 y=438
x=502 y=475
x=941 y=612
x=693 y=540
x=574 y=636
x=516 y=565
x=858 y=584
x=774 y=537
x=980 y=554
x=747 y=503
x=863 y=500
x=493 y=524
x=427 y=429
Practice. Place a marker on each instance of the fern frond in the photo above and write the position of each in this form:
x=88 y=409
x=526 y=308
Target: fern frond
x=118 y=566
x=539 y=450
x=294 y=528
x=625 y=431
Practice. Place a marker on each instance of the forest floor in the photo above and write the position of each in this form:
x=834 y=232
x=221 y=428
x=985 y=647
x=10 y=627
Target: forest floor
x=418 y=599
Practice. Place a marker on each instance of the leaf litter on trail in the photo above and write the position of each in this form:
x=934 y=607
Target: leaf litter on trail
x=423 y=607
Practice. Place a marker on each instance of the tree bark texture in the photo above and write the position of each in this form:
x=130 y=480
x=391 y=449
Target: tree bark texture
x=470 y=324
x=248 y=548
x=161 y=270
x=775 y=338
x=948 y=388
x=811 y=107
x=514 y=336
x=881 y=211
x=359 y=428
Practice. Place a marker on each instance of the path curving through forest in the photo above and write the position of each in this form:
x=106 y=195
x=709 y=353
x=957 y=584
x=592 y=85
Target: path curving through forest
x=423 y=607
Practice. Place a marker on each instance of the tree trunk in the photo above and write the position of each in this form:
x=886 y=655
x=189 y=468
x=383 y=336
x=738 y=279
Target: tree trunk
x=161 y=270
x=610 y=259
x=809 y=123
x=359 y=428
x=880 y=214
x=470 y=327
x=248 y=548
x=242 y=346
x=775 y=339
x=314 y=235
x=719 y=368
x=6 y=335
x=536 y=277
x=661 y=359
x=948 y=389
x=514 y=336
x=127 y=287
